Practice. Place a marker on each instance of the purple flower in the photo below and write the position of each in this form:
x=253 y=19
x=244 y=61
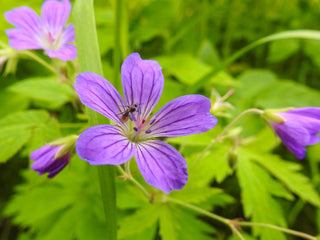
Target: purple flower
x=160 y=164
x=299 y=129
x=47 y=162
x=48 y=32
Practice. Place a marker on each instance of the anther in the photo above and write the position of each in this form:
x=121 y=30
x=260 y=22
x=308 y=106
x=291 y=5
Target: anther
x=148 y=131
x=152 y=121
x=143 y=121
x=136 y=129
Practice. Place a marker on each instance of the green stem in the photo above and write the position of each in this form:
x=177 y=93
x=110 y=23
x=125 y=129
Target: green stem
x=241 y=115
x=233 y=223
x=129 y=176
x=281 y=229
x=117 y=43
x=300 y=34
x=89 y=60
x=38 y=59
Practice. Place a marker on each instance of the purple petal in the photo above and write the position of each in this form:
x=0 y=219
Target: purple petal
x=65 y=53
x=104 y=144
x=45 y=161
x=25 y=18
x=142 y=82
x=68 y=35
x=182 y=116
x=293 y=136
x=21 y=39
x=313 y=112
x=161 y=165
x=55 y=15
x=98 y=94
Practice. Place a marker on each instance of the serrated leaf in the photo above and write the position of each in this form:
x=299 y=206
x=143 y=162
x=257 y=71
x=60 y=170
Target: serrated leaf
x=195 y=194
x=47 y=90
x=257 y=201
x=213 y=165
x=167 y=222
x=136 y=224
x=289 y=174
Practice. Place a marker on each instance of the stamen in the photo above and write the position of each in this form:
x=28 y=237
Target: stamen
x=152 y=121
x=136 y=129
x=148 y=131
x=143 y=121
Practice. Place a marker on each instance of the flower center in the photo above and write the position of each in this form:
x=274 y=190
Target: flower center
x=138 y=129
x=49 y=41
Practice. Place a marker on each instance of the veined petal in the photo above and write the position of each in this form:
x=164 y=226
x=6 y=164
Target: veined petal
x=182 y=116
x=24 y=18
x=55 y=15
x=294 y=137
x=98 y=94
x=21 y=39
x=161 y=165
x=104 y=144
x=313 y=112
x=142 y=82
x=65 y=53
x=68 y=35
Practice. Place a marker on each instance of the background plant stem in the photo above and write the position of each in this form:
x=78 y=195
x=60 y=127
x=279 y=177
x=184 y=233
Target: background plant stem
x=89 y=60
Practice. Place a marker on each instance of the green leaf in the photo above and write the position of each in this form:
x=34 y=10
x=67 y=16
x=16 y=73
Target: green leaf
x=284 y=94
x=167 y=222
x=46 y=90
x=256 y=199
x=11 y=140
x=132 y=225
x=195 y=194
x=12 y=102
x=282 y=49
x=289 y=174
x=183 y=66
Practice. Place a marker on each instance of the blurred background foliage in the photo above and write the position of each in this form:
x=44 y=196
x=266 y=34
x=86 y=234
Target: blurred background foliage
x=189 y=38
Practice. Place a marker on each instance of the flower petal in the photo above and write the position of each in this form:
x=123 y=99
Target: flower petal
x=21 y=39
x=293 y=136
x=68 y=34
x=65 y=53
x=45 y=161
x=104 y=144
x=313 y=112
x=55 y=15
x=142 y=82
x=182 y=116
x=24 y=18
x=98 y=94
x=161 y=165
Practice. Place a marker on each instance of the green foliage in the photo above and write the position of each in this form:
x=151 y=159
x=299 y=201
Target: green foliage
x=50 y=92
x=200 y=45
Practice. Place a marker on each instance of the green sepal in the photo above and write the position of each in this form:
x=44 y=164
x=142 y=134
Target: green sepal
x=271 y=115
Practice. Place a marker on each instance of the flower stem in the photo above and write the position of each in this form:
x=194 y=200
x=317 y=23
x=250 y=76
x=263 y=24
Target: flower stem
x=285 y=230
x=234 y=223
x=241 y=115
x=38 y=59
x=117 y=43
x=89 y=60
x=129 y=176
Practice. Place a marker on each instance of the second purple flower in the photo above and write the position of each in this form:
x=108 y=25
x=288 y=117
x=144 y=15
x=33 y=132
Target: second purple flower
x=160 y=164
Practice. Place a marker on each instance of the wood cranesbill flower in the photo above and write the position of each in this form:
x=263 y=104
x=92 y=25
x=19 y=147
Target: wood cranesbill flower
x=297 y=128
x=48 y=32
x=53 y=157
x=160 y=164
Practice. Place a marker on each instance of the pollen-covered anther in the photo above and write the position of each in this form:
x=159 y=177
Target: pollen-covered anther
x=135 y=129
x=148 y=131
